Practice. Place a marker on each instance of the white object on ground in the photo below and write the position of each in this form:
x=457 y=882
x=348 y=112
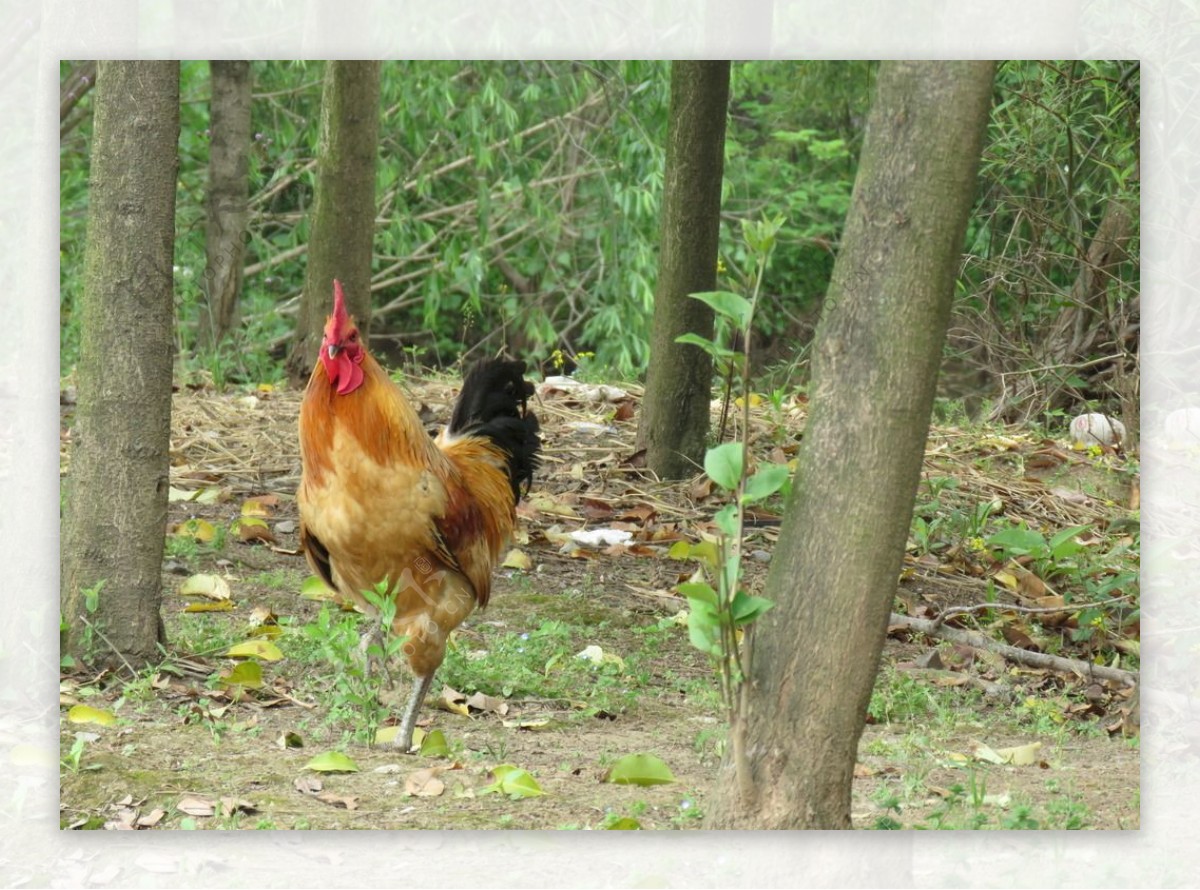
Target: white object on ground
x=1097 y=429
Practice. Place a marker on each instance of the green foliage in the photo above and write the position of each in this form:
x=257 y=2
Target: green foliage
x=793 y=140
x=718 y=611
x=1063 y=143
x=519 y=202
x=1050 y=556
x=353 y=691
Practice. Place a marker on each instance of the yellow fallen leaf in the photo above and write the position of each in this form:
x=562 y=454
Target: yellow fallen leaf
x=532 y=724
x=213 y=587
x=218 y=606
x=198 y=529
x=86 y=714
x=1021 y=755
x=1008 y=579
x=453 y=701
x=264 y=649
x=256 y=509
x=546 y=504
x=517 y=559
x=200 y=496
x=387 y=735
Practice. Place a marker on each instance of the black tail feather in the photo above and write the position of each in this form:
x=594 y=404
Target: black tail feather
x=493 y=404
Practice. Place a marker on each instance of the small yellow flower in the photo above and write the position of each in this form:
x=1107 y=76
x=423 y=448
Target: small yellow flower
x=720 y=266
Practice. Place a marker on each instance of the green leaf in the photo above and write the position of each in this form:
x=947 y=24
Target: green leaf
x=248 y=674
x=85 y=714
x=434 y=745
x=724 y=464
x=765 y=482
x=716 y=350
x=264 y=649
x=1017 y=541
x=640 y=769
x=733 y=306
x=746 y=608
x=1064 y=543
x=698 y=590
x=704 y=551
x=513 y=781
x=625 y=823
x=332 y=762
x=726 y=520
x=680 y=550
x=703 y=628
x=386 y=735
x=314 y=588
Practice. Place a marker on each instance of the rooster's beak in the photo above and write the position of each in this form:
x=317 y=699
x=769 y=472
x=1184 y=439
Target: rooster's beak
x=333 y=350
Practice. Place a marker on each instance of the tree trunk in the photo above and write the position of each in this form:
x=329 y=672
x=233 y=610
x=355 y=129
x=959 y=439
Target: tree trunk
x=116 y=512
x=816 y=654
x=674 y=423
x=228 y=193
x=343 y=214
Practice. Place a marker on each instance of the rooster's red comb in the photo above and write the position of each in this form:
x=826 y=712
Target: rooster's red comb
x=339 y=301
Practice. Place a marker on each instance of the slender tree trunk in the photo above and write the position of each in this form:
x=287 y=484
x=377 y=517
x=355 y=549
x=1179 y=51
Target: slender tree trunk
x=343 y=214
x=1078 y=330
x=77 y=84
x=117 y=506
x=674 y=422
x=815 y=655
x=228 y=194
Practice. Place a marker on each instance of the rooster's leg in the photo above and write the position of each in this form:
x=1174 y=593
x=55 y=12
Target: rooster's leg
x=371 y=663
x=409 y=721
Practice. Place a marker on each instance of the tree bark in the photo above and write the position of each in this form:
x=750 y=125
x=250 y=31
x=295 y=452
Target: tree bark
x=674 y=423
x=116 y=511
x=343 y=214
x=228 y=194
x=815 y=655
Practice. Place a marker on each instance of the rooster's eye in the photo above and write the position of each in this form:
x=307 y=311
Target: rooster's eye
x=354 y=336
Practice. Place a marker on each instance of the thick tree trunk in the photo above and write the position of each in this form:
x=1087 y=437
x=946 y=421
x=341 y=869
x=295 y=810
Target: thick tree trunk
x=117 y=507
x=228 y=193
x=343 y=213
x=674 y=422
x=833 y=577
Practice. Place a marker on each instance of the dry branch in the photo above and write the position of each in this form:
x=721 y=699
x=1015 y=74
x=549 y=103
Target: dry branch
x=1084 y=669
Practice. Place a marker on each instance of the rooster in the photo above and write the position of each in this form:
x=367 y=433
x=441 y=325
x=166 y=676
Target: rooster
x=380 y=500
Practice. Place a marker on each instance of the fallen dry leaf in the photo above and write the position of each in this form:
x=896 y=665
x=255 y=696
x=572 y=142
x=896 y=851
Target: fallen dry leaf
x=151 y=818
x=308 y=784
x=453 y=701
x=346 y=801
x=231 y=805
x=425 y=783
x=488 y=704
x=196 y=806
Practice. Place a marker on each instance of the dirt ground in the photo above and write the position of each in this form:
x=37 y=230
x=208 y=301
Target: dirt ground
x=185 y=752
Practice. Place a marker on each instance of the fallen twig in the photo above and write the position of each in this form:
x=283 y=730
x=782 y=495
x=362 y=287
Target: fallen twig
x=1028 y=610
x=1012 y=653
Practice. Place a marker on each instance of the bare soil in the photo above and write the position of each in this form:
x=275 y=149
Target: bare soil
x=179 y=737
